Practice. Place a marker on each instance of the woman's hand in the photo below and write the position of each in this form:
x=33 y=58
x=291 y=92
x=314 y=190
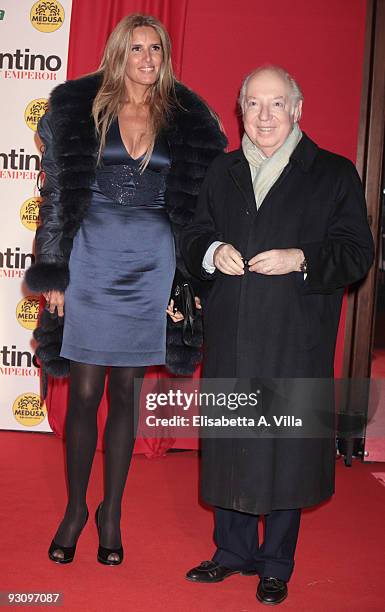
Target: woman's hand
x=177 y=316
x=55 y=298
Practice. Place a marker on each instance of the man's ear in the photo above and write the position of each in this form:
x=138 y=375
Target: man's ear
x=298 y=111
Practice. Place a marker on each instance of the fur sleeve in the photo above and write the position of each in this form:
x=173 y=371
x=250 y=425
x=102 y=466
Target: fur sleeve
x=50 y=270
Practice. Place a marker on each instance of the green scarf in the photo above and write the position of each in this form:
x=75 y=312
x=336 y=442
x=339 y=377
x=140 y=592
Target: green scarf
x=266 y=170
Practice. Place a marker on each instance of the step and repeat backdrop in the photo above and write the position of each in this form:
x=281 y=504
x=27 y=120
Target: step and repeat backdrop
x=33 y=59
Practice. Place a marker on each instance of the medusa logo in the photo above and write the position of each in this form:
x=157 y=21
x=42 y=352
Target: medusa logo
x=34 y=111
x=47 y=16
x=28 y=409
x=29 y=213
x=27 y=312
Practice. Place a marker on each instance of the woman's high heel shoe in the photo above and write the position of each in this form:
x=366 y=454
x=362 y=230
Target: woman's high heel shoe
x=104 y=553
x=68 y=551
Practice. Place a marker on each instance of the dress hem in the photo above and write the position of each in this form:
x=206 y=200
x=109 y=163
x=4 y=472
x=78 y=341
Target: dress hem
x=114 y=359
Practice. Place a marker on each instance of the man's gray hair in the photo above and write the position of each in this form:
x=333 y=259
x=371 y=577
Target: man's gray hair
x=295 y=90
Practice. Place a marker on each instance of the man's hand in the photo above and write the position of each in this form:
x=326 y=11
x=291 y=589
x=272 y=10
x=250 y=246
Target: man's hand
x=277 y=261
x=55 y=298
x=228 y=260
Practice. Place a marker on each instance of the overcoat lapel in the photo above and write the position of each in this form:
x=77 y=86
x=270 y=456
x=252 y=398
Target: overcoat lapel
x=240 y=173
x=303 y=156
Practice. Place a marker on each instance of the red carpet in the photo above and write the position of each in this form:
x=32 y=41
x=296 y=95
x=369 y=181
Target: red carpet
x=340 y=555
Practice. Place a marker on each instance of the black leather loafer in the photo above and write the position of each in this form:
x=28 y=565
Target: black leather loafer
x=271 y=591
x=209 y=571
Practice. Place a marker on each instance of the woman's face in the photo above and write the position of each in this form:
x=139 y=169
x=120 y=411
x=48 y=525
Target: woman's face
x=145 y=56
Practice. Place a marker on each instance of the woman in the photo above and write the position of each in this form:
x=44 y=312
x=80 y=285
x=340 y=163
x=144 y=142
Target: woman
x=125 y=152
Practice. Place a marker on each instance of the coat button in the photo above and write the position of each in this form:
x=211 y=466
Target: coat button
x=247 y=212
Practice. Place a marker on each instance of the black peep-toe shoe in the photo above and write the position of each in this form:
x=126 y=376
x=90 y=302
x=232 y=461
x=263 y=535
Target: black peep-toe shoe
x=104 y=553
x=68 y=551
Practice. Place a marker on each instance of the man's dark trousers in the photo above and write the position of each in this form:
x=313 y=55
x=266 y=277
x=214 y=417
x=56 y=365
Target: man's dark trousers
x=236 y=538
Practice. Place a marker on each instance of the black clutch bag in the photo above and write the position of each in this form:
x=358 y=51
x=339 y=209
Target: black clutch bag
x=184 y=301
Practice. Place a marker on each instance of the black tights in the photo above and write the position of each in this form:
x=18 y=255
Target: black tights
x=86 y=390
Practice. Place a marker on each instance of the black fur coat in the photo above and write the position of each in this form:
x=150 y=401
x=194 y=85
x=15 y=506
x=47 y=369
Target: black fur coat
x=68 y=134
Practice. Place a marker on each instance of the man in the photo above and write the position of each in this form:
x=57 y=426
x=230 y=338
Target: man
x=281 y=229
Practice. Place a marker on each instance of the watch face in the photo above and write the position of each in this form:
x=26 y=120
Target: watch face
x=303 y=266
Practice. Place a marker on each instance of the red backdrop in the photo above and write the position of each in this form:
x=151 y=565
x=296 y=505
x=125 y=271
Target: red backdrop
x=215 y=44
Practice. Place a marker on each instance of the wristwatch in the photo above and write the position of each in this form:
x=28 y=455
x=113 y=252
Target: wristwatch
x=303 y=266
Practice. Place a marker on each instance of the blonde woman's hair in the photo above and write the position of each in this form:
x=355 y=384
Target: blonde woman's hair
x=112 y=92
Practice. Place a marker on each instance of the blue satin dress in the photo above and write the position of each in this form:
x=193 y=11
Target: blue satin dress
x=122 y=263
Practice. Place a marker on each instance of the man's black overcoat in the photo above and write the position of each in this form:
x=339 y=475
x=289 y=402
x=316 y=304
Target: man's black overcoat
x=277 y=326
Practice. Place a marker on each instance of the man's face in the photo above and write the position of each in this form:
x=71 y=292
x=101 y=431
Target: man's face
x=268 y=113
